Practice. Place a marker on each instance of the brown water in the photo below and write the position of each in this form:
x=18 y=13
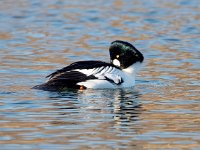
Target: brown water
x=161 y=112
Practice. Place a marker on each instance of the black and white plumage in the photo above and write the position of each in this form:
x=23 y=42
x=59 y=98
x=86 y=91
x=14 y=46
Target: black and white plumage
x=119 y=73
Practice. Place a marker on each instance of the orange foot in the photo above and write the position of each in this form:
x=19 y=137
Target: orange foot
x=82 y=87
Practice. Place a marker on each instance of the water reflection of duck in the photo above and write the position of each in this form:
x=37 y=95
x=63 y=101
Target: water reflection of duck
x=117 y=108
x=119 y=73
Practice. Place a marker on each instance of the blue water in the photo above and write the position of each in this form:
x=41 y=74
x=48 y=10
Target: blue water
x=160 y=112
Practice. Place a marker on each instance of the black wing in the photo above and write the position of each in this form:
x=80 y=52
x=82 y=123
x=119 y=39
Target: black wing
x=64 y=80
x=81 y=65
x=69 y=76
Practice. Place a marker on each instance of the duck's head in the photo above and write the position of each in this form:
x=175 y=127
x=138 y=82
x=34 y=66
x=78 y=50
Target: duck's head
x=124 y=54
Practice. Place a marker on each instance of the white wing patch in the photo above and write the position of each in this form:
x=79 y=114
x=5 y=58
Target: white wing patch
x=116 y=78
x=109 y=73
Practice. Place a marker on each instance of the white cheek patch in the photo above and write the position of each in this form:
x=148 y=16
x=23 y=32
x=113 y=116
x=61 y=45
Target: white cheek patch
x=116 y=62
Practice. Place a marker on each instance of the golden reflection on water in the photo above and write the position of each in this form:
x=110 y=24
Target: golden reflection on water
x=162 y=112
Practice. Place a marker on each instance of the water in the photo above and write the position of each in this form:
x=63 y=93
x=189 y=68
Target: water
x=160 y=112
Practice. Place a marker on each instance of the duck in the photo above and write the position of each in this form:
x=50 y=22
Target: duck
x=120 y=72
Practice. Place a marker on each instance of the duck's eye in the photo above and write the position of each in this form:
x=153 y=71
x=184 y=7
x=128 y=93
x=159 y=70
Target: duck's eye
x=117 y=56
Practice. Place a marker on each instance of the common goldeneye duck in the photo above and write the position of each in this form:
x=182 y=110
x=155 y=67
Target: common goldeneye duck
x=119 y=73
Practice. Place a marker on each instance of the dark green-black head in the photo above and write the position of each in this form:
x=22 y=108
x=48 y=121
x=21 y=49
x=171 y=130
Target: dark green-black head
x=124 y=54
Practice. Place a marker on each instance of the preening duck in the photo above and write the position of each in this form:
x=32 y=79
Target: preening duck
x=119 y=73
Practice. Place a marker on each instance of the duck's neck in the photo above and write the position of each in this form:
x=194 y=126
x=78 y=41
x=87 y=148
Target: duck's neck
x=133 y=69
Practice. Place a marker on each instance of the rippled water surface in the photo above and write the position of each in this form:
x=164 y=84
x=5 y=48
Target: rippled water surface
x=161 y=112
